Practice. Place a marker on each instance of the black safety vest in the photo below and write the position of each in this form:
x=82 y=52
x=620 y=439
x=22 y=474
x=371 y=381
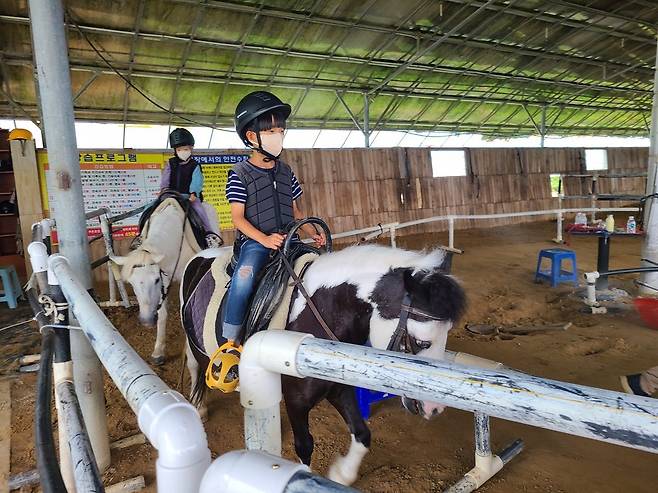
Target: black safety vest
x=180 y=177
x=269 y=195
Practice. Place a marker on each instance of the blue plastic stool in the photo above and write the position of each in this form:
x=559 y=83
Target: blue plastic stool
x=365 y=397
x=555 y=274
x=11 y=286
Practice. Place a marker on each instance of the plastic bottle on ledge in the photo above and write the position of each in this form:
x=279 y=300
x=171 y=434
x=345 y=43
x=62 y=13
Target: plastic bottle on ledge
x=581 y=219
x=631 y=226
x=610 y=223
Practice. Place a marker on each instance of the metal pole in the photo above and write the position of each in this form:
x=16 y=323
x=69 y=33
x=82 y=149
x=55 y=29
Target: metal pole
x=451 y=232
x=558 y=236
x=51 y=55
x=170 y=423
x=486 y=463
x=612 y=417
x=366 y=119
x=87 y=476
x=650 y=249
x=603 y=261
x=542 y=127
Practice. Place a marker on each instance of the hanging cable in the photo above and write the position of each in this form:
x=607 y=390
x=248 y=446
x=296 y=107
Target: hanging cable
x=130 y=83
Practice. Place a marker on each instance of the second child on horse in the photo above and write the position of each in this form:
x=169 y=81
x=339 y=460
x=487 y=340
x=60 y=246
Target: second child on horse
x=183 y=174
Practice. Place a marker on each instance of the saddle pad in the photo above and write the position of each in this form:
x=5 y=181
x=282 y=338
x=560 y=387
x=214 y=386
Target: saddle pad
x=190 y=237
x=220 y=280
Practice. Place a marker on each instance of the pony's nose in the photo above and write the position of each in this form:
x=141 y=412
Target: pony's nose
x=148 y=320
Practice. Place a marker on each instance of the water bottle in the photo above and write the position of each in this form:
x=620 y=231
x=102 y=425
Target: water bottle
x=581 y=219
x=610 y=223
x=631 y=226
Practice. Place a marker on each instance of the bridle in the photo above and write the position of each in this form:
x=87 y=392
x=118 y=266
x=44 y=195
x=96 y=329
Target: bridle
x=401 y=341
x=164 y=291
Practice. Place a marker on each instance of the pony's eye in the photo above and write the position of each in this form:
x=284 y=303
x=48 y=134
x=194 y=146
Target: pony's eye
x=423 y=344
x=157 y=281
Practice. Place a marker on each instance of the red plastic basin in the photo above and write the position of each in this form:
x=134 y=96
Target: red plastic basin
x=648 y=310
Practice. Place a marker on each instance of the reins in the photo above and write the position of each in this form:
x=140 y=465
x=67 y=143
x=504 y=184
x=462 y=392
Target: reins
x=299 y=284
x=400 y=341
x=164 y=292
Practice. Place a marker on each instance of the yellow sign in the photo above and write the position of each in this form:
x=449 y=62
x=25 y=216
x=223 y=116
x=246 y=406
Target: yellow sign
x=124 y=180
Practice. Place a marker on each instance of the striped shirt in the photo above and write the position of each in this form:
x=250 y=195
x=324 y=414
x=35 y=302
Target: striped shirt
x=237 y=192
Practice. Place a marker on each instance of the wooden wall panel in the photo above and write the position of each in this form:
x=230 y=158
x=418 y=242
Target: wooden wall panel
x=358 y=188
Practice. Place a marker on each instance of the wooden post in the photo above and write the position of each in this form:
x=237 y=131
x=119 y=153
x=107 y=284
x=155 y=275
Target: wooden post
x=28 y=193
x=5 y=433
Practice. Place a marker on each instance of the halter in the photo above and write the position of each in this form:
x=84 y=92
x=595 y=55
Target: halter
x=401 y=341
x=164 y=291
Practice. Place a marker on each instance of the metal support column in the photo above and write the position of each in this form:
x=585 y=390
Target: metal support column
x=650 y=249
x=366 y=119
x=542 y=127
x=51 y=55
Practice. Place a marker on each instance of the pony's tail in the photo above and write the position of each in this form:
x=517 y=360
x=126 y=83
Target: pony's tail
x=199 y=391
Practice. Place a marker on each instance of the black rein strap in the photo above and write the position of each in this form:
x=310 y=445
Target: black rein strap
x=300 y=285
x=400 y=341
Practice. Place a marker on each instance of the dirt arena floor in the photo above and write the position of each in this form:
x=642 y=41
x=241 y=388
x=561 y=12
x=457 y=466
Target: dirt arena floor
x=410 y=454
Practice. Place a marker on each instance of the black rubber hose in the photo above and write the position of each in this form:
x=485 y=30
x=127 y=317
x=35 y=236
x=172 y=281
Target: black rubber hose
x=51 y=477
x=62 y=346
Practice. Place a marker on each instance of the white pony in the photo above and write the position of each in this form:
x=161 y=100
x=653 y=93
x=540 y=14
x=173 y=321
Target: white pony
x=168 y=244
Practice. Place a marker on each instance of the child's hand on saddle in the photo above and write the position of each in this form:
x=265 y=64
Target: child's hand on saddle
x=320 y=240
x=273 y=241
x=192 y=197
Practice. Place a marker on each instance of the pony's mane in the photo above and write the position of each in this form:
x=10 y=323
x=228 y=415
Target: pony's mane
x=380 y=259
x=363 y=265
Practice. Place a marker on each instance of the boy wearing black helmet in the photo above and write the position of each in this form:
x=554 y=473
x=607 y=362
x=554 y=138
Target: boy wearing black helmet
x=183 y=175
x=263 y=193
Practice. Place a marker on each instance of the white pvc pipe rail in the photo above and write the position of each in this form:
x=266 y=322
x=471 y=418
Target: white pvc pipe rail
x=604 y=415
x=169 y=422
x=453 y=218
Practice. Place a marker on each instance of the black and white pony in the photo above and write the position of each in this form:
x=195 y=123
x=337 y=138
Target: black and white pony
x=361 y=293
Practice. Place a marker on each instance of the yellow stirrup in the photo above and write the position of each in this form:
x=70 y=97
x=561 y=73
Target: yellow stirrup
x=221 y=363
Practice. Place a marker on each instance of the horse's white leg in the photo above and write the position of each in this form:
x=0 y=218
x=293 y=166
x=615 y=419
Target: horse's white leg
x=158 y=356
x=193 y=368
x=345 y=469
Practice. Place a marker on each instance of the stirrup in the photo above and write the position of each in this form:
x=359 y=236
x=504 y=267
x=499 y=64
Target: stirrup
x=222 y=371
x=213 y=240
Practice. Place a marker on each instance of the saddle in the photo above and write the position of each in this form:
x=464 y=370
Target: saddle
x=204 y=292
x=193 y=218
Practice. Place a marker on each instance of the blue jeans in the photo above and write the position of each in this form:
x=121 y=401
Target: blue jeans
x=252 y=258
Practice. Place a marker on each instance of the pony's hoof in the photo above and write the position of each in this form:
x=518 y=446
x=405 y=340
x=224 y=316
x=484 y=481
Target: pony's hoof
x=340 y=472
x=157 y=360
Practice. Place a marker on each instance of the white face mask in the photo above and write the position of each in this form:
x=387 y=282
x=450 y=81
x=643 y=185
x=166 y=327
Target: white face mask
x=272 y=143
x=184 y=155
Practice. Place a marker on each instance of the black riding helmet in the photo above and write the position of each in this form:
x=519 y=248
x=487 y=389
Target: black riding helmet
x=180 y=137
x=254 y=105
